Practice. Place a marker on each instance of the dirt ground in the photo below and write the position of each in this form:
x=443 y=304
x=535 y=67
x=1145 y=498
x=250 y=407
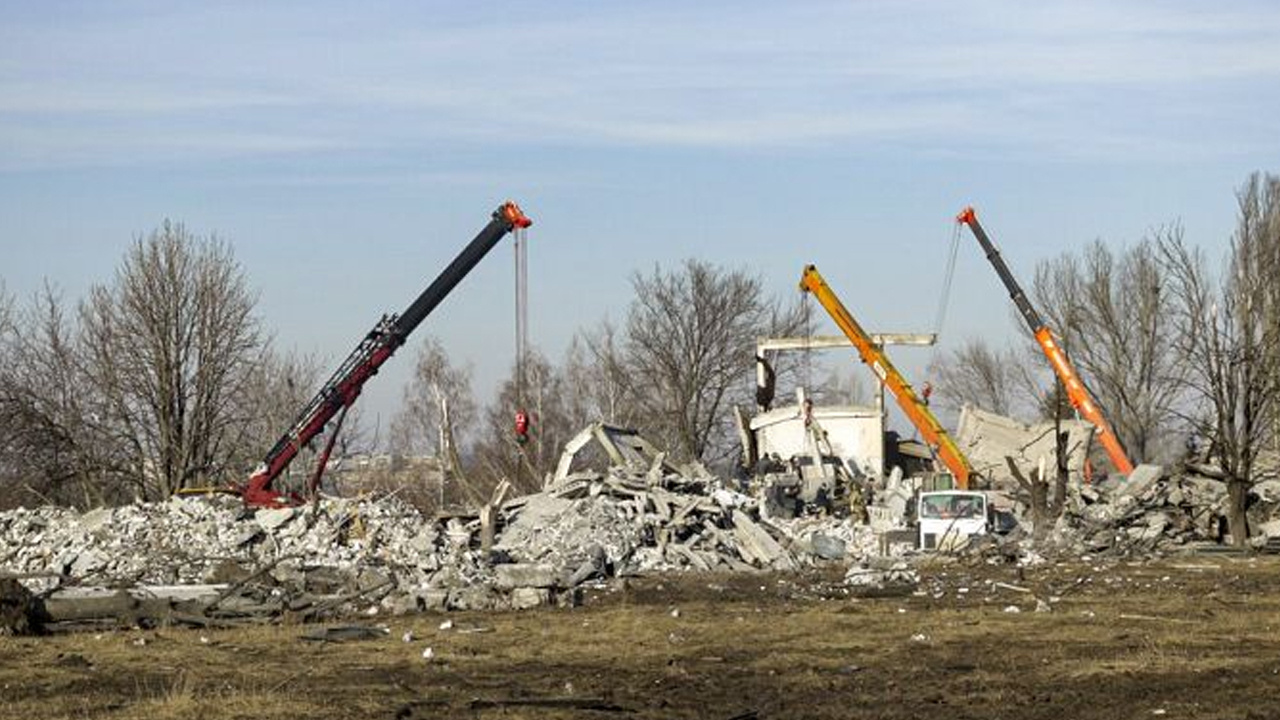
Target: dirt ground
x=1196 y=636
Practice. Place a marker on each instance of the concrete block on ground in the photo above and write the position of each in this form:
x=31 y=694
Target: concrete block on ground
x=525 y=575
x=526 y=598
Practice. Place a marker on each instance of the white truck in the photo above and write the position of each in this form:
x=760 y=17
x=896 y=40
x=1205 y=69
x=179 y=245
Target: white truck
x=948 y=518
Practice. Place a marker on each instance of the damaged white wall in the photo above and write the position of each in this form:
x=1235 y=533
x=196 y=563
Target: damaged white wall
x=856 y=434
x=987 y=439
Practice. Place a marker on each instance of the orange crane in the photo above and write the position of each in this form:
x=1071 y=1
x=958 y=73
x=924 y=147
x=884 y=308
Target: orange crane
x=917 y=411
x=1077 y=393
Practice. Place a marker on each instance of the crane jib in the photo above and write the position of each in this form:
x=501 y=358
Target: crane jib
x=1016 y=293
x=345 y=385
x=1077 y=393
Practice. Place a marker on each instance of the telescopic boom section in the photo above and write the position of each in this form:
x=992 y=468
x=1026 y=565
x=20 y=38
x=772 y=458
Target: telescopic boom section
x=916 y=409
x=1077 y=393
x=376 y=348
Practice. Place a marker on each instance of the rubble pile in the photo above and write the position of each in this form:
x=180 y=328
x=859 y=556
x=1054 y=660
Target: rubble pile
x=194 y=540
x=218 y=561
x=1148 y=513
x=383 y=555
x=275 y=560
x=634 y=523
x=1151 y=513
x=1264 y=512
x=830 y=538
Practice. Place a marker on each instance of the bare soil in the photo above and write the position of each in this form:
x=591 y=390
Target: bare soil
x=1196 y=636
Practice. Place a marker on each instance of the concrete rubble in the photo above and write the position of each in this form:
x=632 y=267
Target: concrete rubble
x=383 y=556
x=1151 y=514
x=988 y=439
x=211 y=561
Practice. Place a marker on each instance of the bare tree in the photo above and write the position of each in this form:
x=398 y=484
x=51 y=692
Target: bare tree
x=437 y=387
x=549 y=400
x=690 y=341
x=279 y=385
x=52 y=444
x=976 y=374
x=1114 y=312
x=596 y=368
x=6 y=310
x=171 y=344
x=1230 y=341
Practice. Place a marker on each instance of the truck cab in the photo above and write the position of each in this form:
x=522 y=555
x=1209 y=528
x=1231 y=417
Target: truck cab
x=948 y=518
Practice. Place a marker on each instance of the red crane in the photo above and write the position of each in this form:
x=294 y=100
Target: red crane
x=376 y=348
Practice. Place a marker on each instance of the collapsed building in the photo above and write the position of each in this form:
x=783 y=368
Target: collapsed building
x=212 y=561
x=824 y=485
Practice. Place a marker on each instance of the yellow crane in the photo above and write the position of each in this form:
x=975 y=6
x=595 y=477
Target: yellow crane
x=917 y=411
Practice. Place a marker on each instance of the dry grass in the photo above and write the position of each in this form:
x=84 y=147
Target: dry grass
x=1121 y=642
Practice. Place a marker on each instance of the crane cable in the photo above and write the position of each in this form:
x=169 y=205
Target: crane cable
x=806 y=359
x=522 y=318
x=944 y=300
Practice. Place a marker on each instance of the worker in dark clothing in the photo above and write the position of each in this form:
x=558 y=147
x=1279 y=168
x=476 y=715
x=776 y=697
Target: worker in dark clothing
x=764 y=393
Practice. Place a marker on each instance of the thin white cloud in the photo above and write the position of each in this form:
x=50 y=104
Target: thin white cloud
x=70 y=98
x=1133 y=78
x=53 y=148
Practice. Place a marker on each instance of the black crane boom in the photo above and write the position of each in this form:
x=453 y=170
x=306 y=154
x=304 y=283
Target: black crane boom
x=344 y=386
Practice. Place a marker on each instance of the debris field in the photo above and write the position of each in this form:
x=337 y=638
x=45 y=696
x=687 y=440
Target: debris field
x=1185 y=637
x=209 y=561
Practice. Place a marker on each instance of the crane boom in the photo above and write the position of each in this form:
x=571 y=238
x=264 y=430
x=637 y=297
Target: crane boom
x=1077 y=393
x=344 y=386
x=873 y=355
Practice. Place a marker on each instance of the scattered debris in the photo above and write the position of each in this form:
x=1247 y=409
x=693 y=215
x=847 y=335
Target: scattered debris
x=210 y=562
x=19 y=614
x=882 y=577
x=347 y=633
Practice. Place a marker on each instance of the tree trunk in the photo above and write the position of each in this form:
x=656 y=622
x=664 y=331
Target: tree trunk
x=1237 y=519
x=1037 y=490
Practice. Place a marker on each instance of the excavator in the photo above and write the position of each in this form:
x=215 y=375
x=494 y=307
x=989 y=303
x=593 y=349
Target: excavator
x=915 y=408
x=344 y=386
x=1077 y=393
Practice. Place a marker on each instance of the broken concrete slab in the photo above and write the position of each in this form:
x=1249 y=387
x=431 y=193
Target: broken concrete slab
x=1142 y=479
x=757 y=545
x=827 y=547
x=624 y=448
x=526 y=598
x=877 y=577
x=274 y=518
x=526 y=575
x=1269 y=529
x=987 y=438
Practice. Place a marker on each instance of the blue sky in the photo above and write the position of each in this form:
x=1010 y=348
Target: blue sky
x=349 y=150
